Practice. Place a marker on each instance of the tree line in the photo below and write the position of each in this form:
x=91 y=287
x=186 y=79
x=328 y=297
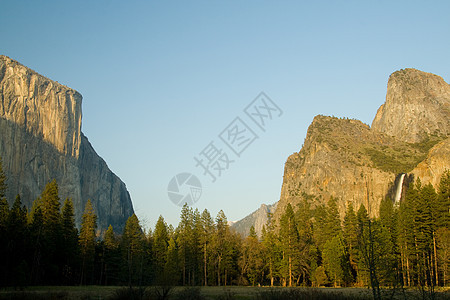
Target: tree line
x=407 y=245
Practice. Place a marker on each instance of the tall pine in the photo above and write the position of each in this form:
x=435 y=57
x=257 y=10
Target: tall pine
x=87 y=243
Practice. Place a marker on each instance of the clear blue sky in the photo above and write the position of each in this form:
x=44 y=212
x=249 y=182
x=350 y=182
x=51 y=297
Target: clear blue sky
x=161 y=79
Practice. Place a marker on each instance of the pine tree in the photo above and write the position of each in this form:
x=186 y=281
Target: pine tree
x=186 y=243
x=197 y=248
x=50 y=204
x=351 y=238
x=290 y=245
x=133 y=247
x=69 y=244
x=423 y=219
x=52 y=254
x=172 y=267
x=17 y=234
x=112 y=257
x=36 y=225
x=305 y=245
x=390 y=269
x=222 y=249
x=333 y=256
x=367 y=252
x=333 y=221
x=87 y=242
x=271 y=249
x=251 y=262
x=320 y=232
x=4 y=212
x=207 y=225
x=441 y=233
x=442 y=229
x=160 y=246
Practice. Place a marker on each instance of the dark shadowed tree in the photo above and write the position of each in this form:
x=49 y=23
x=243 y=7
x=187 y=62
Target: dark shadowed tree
x=87 y=243
x=69 y=246
x=133 y=248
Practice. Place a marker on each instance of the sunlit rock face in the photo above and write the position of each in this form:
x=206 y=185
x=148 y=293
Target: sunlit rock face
x=353 y=162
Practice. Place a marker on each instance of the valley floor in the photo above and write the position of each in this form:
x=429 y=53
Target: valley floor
x=213 y=292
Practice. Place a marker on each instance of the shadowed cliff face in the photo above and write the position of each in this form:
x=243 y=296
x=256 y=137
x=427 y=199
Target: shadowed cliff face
x=41 y=140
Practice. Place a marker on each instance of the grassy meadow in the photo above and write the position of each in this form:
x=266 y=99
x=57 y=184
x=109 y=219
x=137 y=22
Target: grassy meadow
x=213 y=292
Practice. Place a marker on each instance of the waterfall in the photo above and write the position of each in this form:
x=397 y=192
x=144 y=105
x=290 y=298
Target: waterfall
x=398 y=193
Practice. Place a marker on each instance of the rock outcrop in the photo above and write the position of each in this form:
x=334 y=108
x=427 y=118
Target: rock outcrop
x=352 y=162
x=41 y=140
x=417 y=106
x=436 y=162
x=345 y=159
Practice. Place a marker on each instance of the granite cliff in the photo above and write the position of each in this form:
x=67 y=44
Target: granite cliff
x=353 y=162
x=348 y=160
x=41 y=140
x=417 y=106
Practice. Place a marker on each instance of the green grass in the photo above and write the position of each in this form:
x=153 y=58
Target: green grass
x=225 y=293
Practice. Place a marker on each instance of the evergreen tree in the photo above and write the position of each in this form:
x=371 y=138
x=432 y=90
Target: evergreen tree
x=386 y=240
x=160 y=246
x=112 y=258
x=17 y=246
x=52 y=254
x=186 y=243
x=290 y=244
x=50 y=205
x=4 y=212
x=87 y=242
x=172 y=267
x=133 y=247
x=251 y=259
x=333 y=256
x=320 y=232
x=222 y=249
x=351 y=238
x=305 y=245
x=197 y=249
x=69 y=245
x=333 y=221
x=272 y=250
x=37 y=248
x=442 y=229
x=207 y=226
x=366 y=245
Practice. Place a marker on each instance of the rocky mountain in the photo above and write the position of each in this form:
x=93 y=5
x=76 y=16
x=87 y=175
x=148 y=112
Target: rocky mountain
x=41 y=140
x=258 y=219
x=348 y=160
x=417 y=106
